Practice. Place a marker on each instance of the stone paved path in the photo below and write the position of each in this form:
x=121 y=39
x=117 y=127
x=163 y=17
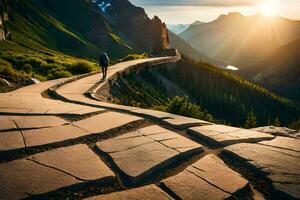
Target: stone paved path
x=58 y=141
x=209 y=178
x=29 y=100
x=140 y=154
x=147 y=192
x=51 y=170
x=278 y=160
x=220 y=135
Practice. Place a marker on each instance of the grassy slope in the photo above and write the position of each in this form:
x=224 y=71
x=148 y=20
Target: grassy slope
x=47 y=40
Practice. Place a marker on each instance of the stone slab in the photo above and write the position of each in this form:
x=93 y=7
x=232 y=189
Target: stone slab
x=190 y=187
x=163 y=136
x=284 y=143
x=22 y=178
x=184 y=122
x=209 y=178
x=180 y=142
x=138 y=155
x=218 y=128
x=129 y=135
x=37 y=121
x=37 y=137
x=277 y=131
x=119 y=144
x=11 y=140
x=39 y=88
x=280 y=165
x=86 y=110
x=78 y=160
x=39 y=110
x=29 y=100
x=216 y=172
x=15 y=110
x=79 y=86
x=152 y=113
x=113 y=106
x=62 y=109
x=136 y=161
x=220 y=135
x=6 y=123
x=106 y=121
x=75 y=88
x=148 y=192
x=151 y=130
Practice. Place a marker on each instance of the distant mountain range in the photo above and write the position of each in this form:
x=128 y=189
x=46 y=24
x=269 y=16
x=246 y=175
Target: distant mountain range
x=177 y=28
x=241 y=40
x=265 y=49
x=185 y=48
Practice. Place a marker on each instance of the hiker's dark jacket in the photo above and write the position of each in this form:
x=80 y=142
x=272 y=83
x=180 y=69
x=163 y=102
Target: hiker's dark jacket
x=104 y=60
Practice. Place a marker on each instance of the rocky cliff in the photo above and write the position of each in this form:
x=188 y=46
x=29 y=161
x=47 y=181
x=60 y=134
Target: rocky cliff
x=148 y=34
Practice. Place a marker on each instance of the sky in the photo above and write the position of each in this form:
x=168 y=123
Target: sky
x=188 y=11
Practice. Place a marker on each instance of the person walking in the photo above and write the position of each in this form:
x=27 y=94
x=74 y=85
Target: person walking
x=104 y=62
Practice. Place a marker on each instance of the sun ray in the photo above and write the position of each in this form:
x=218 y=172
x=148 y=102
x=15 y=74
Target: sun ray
x=269 y=8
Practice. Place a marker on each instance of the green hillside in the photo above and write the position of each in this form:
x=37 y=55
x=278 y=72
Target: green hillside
x=48 y=42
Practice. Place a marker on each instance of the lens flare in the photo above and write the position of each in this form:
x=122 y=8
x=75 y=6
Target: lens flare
x=269 y=8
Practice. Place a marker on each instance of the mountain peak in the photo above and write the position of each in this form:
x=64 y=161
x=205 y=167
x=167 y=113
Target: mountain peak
x=197 y=23
x=177 y=28
x=148 y=34
x=230 y=16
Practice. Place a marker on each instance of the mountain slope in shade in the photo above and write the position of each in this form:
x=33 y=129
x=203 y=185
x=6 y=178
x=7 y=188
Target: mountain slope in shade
x=177 y=28
x=82 y=32
x=280 y=71
x=149 y=34
x=241 y=40
x=85 y=31
x=187 y=49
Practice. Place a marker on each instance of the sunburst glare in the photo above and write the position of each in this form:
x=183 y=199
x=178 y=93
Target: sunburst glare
x=269 y=8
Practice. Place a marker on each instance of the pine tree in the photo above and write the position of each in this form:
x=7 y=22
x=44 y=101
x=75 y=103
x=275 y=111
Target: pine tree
x=295 y=125
x=277 y=122
x=251 y=120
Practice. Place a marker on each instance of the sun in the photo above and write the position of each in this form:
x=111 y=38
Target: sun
x=269 y=8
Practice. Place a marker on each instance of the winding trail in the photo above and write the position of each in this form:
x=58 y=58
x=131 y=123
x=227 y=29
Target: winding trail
x=60 y=140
